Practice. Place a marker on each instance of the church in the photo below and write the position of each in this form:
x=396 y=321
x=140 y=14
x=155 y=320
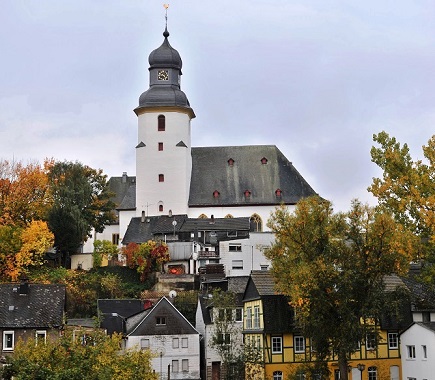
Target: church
x=209 y=204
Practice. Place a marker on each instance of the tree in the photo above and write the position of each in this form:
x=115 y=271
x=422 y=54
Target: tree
x=147 y=256
x=226 y=338
x=407 y=187
x=22 y=248
x=332 y=266
x=88 y=356
x=103 y=249
x=24 y=194
x=81 y=202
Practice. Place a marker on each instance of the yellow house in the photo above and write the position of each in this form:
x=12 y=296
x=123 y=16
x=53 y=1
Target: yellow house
x=282 y=352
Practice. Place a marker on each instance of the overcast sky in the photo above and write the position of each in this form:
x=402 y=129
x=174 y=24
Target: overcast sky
x=317 y=78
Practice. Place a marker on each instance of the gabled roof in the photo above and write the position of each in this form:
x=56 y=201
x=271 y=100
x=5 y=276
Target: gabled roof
x=278 y=316
x=427 y=325
x=42 y=305
x=145 y=322
x=259 y=169
x=259 y=284
x=124 y=189
x=114 y=312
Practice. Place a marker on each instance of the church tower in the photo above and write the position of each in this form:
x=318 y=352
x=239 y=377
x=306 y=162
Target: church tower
x=163 y=153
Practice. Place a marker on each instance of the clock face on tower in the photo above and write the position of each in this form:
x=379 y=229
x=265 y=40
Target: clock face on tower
x=162 y=75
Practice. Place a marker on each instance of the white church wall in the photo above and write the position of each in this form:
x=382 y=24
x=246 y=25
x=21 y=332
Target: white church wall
x=175 y=163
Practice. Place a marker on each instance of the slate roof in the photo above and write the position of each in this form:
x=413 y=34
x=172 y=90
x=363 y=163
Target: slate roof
x=211 y=171
x=114 y=312
x=144 y=322
x=139 y=231
x=42 y=307
x=124 y=188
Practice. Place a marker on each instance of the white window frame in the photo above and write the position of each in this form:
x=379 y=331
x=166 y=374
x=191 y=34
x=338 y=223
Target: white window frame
x=239 y=314
x=184 y=342
x=371 y=341
x=160 y=321
x=175 y=343
x=144 y=344
x=276 y=343
x=410 y=352
x=393 y=341
x=185 y=365
x=249 y=317
x=235 y=247
x=41 y=334
x=372 y=373
x=5 y=346
x=277 y=375
x=424 y=351
x=299 y=344
x=237 y=265
x=175 y=366
x=256 y=321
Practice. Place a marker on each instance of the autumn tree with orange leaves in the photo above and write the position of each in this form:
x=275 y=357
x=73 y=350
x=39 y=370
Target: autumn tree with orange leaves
x=332 y=267
x=146 y=257
x=24 y=192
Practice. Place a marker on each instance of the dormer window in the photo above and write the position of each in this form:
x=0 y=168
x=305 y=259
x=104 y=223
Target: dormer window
x=247 y=194
x=264 y=160
x=231 y=162
x=216 y=194
x=278 y=192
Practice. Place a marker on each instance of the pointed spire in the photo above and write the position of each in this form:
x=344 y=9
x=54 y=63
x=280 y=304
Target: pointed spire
x=166 y=33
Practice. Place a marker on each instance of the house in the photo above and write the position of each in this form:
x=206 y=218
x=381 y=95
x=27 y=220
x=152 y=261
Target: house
x=269 y=328
x=417 y=347
x=30 y=311
x=113 y=313
x=170 y=336
x=174 y=178
x=224 y=322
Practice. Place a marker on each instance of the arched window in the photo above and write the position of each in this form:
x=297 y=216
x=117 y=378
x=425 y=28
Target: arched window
x=256 y=224
x=216 y=194
x=202 y=216
x=373 y=373
x=264 y=160
x=160 y=205
x=277 y=375
x=230 y=162
x=161 y=178
x=161 y=125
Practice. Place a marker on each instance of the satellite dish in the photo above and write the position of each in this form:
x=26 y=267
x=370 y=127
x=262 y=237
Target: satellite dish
x=172 y=294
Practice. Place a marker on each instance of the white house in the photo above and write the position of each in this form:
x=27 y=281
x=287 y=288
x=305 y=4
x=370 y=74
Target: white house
x=170 y=336
x=417 y=349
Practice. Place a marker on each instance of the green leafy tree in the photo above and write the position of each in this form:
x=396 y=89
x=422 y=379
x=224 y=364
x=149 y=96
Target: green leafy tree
x=81 y=202
x=407 y=188
x=103 y=249
x=226 y=339
x=332 y=268
x=78 y=356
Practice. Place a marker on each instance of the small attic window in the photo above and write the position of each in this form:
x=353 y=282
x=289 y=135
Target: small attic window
x=247 y=194
x=278 y=192
x=231 y=162
x=216 y=194
x=264 y=160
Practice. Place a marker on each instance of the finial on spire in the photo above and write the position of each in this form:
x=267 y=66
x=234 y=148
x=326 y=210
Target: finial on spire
x=166 y=33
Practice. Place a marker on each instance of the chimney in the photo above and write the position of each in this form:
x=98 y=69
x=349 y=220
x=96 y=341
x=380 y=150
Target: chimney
x=124 y=177
x=24 y=287
x=142 y=219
